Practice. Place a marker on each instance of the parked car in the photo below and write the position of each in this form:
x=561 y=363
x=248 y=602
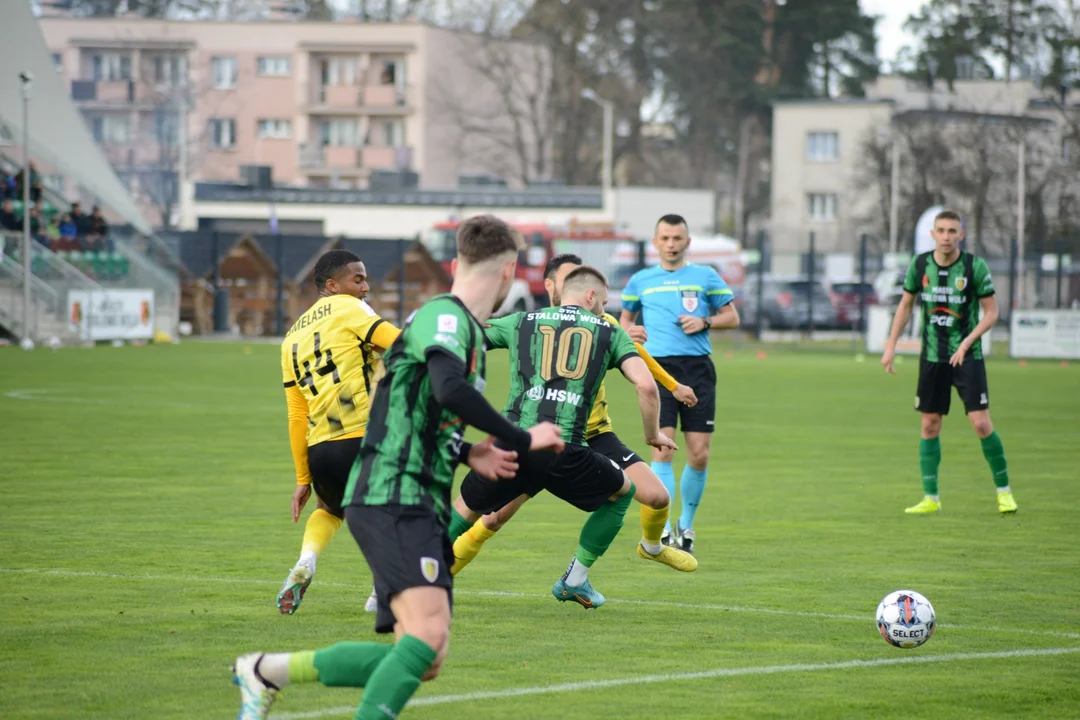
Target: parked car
x=845 y=296
x=786 y=303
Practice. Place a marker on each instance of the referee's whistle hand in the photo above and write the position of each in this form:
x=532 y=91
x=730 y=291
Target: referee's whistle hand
x=692 y=324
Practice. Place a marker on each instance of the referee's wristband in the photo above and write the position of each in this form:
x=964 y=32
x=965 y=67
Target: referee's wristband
x=708 y=323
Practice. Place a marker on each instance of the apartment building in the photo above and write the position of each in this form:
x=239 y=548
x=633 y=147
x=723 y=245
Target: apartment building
x=322 y=104
x=820 y=177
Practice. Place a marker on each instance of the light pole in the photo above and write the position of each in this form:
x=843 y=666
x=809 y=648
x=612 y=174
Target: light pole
x=27 y=80
x=609 y=139
x=894 y=193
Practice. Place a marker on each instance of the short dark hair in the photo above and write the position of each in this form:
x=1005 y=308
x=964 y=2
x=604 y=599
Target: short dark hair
x=582 y=275
x=483 y=237
x=672 y=219
x=558 y=261
x=331 y=264
x=948 y=215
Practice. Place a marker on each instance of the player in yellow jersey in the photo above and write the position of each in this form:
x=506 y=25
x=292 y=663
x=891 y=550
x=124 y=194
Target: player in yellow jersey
x=328 y=361
x=654 y=498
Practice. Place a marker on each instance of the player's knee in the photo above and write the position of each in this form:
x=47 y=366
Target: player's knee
x=983 y=426
x=664 y=455
x=436 y=667
x=698 y=458
x=931 y=425
x=435 y=632
x=653 y=495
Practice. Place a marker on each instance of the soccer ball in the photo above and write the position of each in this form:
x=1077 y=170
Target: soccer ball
x=27 y=344
x=905 y=619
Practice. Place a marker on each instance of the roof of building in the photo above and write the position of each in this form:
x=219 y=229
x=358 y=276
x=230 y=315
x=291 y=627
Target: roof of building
x=835 y=102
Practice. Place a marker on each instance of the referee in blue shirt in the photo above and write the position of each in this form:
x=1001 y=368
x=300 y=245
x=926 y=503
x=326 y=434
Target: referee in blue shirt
x=679 y=303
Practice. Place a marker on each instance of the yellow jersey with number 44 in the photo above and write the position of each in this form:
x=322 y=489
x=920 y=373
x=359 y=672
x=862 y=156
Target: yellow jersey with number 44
x=329 y=356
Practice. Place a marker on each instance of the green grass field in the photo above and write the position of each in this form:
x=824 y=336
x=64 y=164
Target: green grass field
x=145 y=531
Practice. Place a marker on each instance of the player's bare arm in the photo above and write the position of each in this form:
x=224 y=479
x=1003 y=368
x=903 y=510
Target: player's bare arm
x=627 y=319
x=637 y=372
x=900 y=321
x=990 y=316
x=726 y=319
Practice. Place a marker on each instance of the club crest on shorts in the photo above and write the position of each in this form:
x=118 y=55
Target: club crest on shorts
x=689 y=300
x=429 y=568
x=961 y=283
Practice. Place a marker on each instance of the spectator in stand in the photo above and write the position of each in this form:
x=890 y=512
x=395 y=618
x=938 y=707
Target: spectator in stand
x=7 y=185
x=99 y=230
x=82 y=224
x=37 y=227
x=9 y=221
x=35 y=183
x=68 y=233
x=52 y=232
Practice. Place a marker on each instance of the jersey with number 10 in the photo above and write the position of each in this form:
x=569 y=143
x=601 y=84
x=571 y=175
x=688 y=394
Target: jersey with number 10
x=558 y=359
x=328 y=355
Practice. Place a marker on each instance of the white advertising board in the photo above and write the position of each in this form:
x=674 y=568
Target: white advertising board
x=1045 y=334
x=112 y=314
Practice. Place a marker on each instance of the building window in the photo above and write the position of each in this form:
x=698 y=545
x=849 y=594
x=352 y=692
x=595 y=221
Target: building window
x=58 y=62
x=339 y=133
x=393 y=133
x=224 y=69
x=823 y=146
x=166 y=128
x=111 y=128
x=338 y=71
x=275 y=129
x=821 y=206
x=110 y=67
x=1070 y=151
x=273 y=66
x=222 y=133
x=170 y=69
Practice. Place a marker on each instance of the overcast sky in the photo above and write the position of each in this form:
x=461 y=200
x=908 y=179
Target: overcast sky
x=891 y=35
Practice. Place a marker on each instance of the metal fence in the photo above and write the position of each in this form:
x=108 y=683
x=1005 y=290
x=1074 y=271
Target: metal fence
x=808 y=294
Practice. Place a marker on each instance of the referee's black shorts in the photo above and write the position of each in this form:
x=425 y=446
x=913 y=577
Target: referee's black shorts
x=330 y=463
x=698 y=373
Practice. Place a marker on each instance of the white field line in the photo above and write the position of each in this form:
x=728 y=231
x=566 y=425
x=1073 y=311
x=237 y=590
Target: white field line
x=865 y=618
x=348 y=710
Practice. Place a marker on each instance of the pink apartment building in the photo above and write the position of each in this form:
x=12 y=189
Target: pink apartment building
x=322 y=104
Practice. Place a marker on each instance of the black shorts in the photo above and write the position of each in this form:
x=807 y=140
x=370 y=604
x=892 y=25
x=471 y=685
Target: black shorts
x=698 y=373
x=610 y=446
x=405 y=546
x=578 y=475
x=937 y=379
x=330 y=463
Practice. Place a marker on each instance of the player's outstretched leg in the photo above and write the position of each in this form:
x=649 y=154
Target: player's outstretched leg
x=596 y=537
x=318 y=532
x=468 y=544
x=261 y=675
x=994 y=452
x=929 y=461
x=655 y=506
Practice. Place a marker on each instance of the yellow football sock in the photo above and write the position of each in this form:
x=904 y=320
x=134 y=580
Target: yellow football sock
x=652 y=523
x=468 y=545
x=319 y=531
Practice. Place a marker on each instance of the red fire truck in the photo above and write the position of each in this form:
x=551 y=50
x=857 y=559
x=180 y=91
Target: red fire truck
x=596 y=243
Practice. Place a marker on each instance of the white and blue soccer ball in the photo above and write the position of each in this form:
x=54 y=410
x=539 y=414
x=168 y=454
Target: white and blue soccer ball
x=905 y=619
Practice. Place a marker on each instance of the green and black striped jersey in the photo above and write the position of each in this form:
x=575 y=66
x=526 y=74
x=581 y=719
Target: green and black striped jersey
x=558 y=359
x=412 y=443
x=949 y=297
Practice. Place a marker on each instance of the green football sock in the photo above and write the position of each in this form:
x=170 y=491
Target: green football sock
x=458 y=524
x=601 y=528
x=994 y=452
x=396 y=679
x=346 y=664
x=929 y=459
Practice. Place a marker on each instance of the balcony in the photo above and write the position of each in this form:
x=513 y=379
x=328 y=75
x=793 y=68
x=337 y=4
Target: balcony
x=360 y=100
x=331 y=159
x=103 y=92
